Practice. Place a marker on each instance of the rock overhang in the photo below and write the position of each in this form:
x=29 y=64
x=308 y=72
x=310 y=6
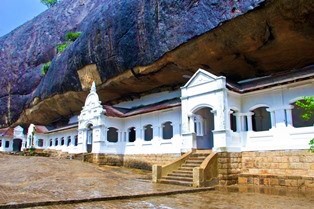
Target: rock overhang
x=275 y=37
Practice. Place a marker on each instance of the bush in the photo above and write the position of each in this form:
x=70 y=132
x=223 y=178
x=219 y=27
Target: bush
x=72 y=36
x=62 y=47
x=45 y=68
x=49 y=3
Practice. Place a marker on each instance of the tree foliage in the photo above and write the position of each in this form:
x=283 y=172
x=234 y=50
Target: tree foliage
x=307 y=104
x=72 y=36
x=49 y=3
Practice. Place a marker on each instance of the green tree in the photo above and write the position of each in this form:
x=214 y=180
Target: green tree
x=49 y=3
x=307 y=104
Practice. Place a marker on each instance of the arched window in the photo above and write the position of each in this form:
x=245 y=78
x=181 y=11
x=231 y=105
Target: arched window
x=62 y=141
x=0 y=143
x=297 y=119
x=112 y=135
x=69 y=141
x=233 y=121
x=167 y=130
x=50 y=142
x=56 y=142
x=7 y=144
x=40 y=143
x=132 y=134
x=76 y=141
x=261 y=119
x=148 y=132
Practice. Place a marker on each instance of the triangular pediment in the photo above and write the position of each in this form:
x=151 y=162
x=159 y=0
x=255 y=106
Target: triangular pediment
x=200 y=77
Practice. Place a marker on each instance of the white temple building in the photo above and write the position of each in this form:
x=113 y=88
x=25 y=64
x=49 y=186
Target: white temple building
x=206 y=113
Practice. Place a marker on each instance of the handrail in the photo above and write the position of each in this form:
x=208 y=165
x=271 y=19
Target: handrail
x=207 y=170
x=159 y=171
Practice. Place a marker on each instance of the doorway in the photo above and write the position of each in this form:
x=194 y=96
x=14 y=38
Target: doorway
x=17 y=145
x=203 y=128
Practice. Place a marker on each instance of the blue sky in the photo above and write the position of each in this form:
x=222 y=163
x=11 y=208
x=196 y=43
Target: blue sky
x=14 y=13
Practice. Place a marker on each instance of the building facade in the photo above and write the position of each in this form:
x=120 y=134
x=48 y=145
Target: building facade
x=206 y=113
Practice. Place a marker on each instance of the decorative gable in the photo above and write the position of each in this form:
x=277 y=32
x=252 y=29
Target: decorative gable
x=200 y=77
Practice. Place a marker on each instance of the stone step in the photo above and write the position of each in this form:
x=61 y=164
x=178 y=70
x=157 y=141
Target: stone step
x=190 y=165
x=182 y=183
x=186 y=169
x=199 y=161
x=176 y=174
x=178 y=178
x=183 y=172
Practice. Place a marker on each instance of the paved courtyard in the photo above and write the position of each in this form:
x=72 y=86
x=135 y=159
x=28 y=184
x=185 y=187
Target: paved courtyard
x=38 y=179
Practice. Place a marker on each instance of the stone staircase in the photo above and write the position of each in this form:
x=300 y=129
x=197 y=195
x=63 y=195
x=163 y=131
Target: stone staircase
x=184 y=175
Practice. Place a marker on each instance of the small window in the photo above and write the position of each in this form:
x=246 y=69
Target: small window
x=0 y=143
x=69 y=141
x=261 y=119
x=40 y=143
x=56 y=142
x=132 y=134
x=112 y=135
x=62 y=141
x=167 y=130
x=233 y=121
x=7 y=144
x=76 y=141
x=148 y=133
x=50 y=143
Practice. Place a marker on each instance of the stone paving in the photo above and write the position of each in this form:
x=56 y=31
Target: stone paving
x=38 y=179
x=202 y=200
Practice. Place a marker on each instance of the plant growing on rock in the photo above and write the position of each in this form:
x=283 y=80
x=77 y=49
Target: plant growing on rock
x=70 y=37
x=307 y=104
x=49 y=3
x=45 y=68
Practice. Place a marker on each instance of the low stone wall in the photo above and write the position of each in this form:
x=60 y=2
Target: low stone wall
x=285 y=168
x=285 y=163
x=296 y=182
x=133 y=161
x=229 y=167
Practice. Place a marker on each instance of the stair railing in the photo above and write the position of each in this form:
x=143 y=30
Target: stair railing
x=207 y=171
x=159 y=171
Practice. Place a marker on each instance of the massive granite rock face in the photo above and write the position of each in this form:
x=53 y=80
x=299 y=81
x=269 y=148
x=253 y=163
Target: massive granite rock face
x=133 y=47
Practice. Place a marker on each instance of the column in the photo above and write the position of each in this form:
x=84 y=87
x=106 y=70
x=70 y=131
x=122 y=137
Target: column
x=238 y=121
x=289 y=116
x=249 y=121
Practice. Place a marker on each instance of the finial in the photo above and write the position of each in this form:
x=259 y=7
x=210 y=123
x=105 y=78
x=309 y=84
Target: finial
x=93 y=88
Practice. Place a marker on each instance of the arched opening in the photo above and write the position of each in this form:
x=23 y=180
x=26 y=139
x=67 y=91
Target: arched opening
x=132 y=134
x=76 y=140
x=167 y=130
x=56 y=142
x=233 y=120
x=297 y=120
x=203 y=127
x=261 y=119
x=112 y=135
x=69 y=141
x=62 y=141
x=50 y=143
x=17 y=145
x=148 y=132
x=89 y=138
x=0 y=143
x=40 y=143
